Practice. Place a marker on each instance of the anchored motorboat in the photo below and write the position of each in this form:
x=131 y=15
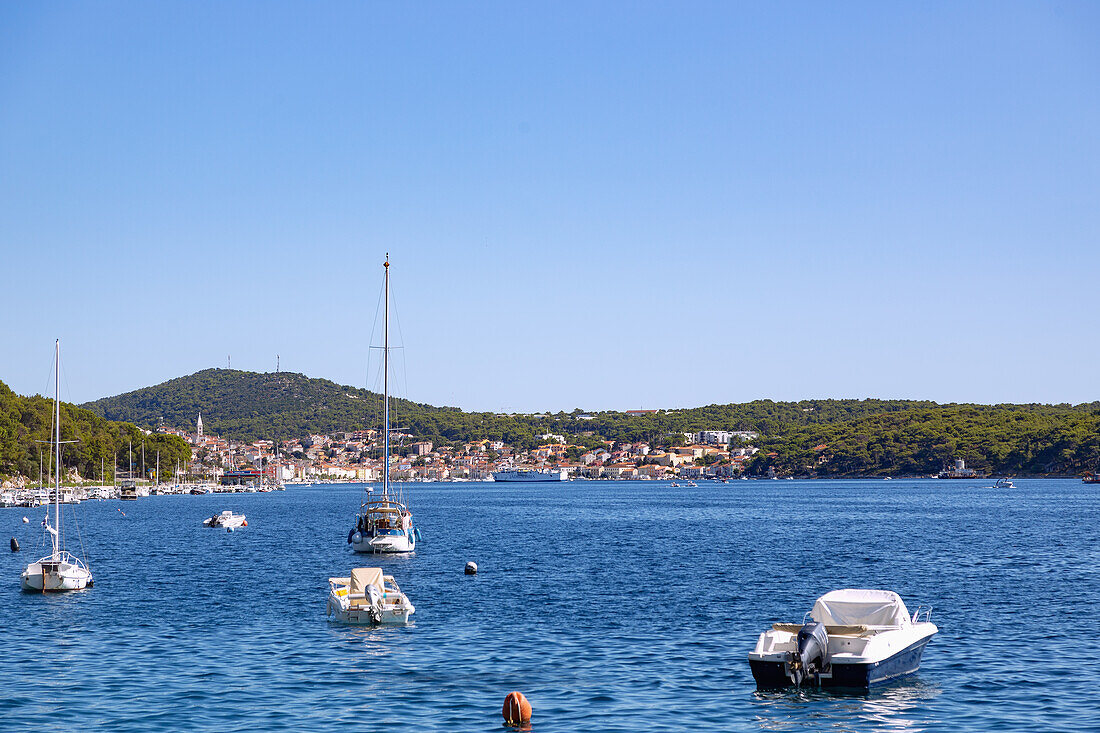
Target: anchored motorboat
x=853 y=638
x=368 y=597
x=226 y=520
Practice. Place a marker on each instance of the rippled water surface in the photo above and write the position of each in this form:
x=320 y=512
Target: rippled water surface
x=613 y=606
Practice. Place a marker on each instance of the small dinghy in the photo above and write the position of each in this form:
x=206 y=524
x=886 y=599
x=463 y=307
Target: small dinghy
x=854 y=638
x=226 y=520
x=368 y=597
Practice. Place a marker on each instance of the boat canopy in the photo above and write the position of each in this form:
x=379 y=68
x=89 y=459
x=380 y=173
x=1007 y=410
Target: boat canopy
x=852 y=607
x=381 y=509
x=363 y=577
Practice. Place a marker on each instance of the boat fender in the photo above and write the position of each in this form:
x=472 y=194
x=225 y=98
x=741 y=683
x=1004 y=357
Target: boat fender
x=228 y=529
x=416 y=534
x=14 y=545
x=357 y=537
x=351 y=534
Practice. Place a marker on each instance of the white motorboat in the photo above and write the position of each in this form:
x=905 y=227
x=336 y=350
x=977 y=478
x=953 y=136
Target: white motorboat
x=60 y=570
x=368 y=597
x=226 y=520
x=855 y=639
x=384 y=524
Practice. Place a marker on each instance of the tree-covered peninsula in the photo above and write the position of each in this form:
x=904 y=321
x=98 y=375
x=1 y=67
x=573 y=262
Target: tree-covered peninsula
x=26 y=435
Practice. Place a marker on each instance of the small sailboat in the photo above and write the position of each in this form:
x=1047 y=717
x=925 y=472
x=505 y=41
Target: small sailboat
x=60 y=570
x=384 y=523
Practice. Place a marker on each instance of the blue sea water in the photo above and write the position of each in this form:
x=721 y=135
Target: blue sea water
x=613 y=606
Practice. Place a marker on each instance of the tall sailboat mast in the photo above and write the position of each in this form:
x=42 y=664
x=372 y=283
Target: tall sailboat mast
x=386 y=382
x=57 y=451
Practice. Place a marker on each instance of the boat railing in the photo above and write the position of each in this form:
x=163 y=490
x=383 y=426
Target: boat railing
x=926 y=610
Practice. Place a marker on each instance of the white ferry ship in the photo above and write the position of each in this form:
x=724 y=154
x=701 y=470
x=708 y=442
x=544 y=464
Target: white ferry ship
x=544 y=475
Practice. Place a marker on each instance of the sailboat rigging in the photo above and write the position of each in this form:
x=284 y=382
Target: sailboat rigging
x=60 y=570
x=384 y=523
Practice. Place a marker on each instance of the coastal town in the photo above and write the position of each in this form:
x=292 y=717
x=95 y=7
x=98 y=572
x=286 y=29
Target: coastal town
x=357 y=456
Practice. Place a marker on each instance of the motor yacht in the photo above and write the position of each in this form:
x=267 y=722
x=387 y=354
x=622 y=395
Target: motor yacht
x=854 y=638
x=368 y=597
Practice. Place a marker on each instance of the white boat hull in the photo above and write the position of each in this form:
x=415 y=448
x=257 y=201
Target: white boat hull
x=363 y=616
x=55 y=578
x=226 y=520
x=382 y=543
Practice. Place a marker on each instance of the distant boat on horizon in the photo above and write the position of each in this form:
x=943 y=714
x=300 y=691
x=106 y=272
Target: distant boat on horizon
x=539 y=475
x=959 y=471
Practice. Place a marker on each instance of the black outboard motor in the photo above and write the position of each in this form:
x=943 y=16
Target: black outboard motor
x=812 y=654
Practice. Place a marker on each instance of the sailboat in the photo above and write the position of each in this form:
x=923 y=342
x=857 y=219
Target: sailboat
x=367 y=595
x=60 y=570
x=384 y=524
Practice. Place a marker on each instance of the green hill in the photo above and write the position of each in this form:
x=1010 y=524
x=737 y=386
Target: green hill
x=26 y=429
x=861 y=437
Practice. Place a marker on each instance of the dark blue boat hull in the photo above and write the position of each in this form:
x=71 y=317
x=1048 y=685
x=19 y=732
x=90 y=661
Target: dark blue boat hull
x=905 y=662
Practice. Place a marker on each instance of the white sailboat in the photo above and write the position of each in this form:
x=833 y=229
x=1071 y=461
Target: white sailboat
x=60 y=570
x=367 y=595
x=384 y=524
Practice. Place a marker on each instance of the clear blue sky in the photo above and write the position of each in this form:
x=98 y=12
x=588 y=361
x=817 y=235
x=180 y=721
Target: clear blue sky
x=596 y=205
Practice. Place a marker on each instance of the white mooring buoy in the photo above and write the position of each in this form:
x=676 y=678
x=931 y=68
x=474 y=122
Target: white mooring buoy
x=471 y=568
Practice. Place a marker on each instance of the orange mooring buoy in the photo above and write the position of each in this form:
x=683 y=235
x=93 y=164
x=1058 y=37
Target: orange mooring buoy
x=516 y=709
x=244 y=523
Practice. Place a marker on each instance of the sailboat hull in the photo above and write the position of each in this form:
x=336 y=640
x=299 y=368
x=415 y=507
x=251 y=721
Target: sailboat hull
x=49 y=577
x=385 y=543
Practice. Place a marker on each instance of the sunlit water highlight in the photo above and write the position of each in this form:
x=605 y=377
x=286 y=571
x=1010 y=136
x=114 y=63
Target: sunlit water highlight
x=612 y=606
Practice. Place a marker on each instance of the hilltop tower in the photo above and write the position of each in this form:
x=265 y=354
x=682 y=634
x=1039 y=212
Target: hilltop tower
x=198 y=425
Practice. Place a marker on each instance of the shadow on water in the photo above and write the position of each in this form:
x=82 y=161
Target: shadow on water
x=900 y=706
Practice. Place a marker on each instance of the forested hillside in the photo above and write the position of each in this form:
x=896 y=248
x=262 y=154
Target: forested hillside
x=1000 y=439
x=819 y=437
x=26 y=430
